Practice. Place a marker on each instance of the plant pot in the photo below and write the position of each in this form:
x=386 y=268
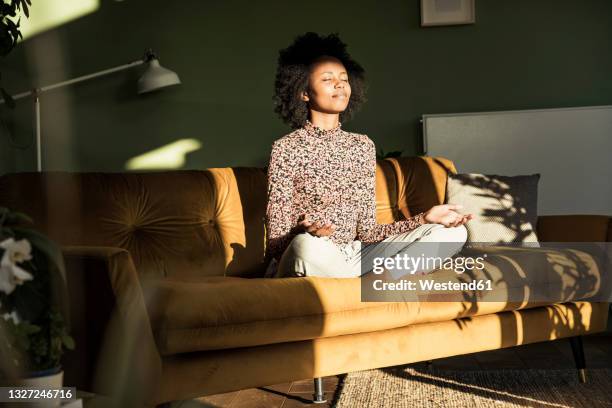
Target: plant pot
x=52 y=378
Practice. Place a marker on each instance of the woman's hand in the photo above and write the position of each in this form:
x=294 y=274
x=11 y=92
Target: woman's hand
x=447 y=215
x=317 y=229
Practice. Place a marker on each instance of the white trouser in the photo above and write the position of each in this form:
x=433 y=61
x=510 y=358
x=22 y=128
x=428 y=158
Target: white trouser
x=309 y=255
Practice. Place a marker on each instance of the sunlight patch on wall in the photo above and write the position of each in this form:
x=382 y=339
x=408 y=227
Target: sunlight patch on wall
x=170 y=156
x=48 y=14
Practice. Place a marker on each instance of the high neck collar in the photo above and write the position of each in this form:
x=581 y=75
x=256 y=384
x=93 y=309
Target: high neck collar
x=321 y=133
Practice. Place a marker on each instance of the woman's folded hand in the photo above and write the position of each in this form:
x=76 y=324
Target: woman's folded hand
x=447 y=215
x=318 y=228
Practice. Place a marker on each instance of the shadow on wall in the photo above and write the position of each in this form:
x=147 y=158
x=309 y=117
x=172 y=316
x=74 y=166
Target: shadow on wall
x=509 y=210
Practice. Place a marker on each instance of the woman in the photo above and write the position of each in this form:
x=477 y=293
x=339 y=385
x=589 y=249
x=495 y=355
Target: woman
x=321 y=210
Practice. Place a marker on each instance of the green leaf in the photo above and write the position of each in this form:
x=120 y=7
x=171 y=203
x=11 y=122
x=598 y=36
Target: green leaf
x=68 y=341
x=12 y=9
x=24 y=327
x=51 y=250
x=24 y=7
x=16 y=217
x=7 y=233
x=55 y=265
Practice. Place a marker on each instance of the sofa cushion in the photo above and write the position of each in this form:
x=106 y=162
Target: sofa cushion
x=421 y=183
x=217 y=313
x=171 y=222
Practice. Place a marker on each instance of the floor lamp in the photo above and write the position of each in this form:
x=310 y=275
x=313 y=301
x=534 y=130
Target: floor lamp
x=154 y=77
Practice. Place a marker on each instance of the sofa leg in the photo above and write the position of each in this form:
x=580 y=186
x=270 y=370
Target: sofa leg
x=319 y=396
x=578 y=351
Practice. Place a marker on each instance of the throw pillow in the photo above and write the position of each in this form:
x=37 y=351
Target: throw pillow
x=505 y=207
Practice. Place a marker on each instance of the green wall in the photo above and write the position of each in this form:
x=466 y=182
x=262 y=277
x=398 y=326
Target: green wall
x=520 y=54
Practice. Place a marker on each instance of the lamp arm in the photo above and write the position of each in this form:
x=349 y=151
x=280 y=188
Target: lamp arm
x=78 y=79
x=91 y=76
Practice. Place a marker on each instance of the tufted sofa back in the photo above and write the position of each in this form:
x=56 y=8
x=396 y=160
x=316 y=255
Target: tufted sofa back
x=191 y=223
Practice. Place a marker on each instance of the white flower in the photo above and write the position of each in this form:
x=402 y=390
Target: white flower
x=12 y=316
x=16 y=251
x=12 y=275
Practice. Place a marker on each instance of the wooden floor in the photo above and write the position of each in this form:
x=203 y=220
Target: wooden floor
x=551 y=355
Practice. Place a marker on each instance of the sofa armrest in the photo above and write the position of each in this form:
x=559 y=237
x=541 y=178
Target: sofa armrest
x=574 y=228
x=110 y=324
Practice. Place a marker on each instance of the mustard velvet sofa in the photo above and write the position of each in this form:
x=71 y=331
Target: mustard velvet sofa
x=168 y=301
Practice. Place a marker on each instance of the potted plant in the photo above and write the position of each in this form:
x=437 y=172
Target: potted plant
x=33 y=305
x=10 y=33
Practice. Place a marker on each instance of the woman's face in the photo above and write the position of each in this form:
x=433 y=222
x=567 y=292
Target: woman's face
x=329 y=90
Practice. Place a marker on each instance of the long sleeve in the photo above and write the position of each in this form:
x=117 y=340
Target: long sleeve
x=278 y=221
x=367 y=228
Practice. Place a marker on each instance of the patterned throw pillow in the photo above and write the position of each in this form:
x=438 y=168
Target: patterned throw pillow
x=505 y=207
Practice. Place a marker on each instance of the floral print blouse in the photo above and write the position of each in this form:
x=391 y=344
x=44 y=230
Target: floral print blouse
x=330 y=175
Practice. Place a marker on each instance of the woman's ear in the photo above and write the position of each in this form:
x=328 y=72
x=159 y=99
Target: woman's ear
x=305 y=97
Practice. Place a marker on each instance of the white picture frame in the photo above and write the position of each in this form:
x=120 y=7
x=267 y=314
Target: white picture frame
x=447 y=12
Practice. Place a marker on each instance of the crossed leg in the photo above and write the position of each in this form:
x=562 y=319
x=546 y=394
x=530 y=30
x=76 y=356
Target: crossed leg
x=309 y=255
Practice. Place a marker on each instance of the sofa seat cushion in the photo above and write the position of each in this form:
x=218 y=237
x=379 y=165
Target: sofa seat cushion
x=190 y=315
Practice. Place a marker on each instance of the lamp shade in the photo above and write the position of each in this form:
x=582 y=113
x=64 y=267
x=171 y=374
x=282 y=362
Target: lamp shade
x=156 y=77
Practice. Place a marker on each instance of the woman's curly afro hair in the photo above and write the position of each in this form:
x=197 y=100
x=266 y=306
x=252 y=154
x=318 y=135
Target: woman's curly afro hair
x=293 y=70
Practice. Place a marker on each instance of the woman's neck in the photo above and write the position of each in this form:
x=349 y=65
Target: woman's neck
x=325 y=121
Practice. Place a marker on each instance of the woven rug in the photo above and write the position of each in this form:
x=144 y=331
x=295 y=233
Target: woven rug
x=408 y=387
